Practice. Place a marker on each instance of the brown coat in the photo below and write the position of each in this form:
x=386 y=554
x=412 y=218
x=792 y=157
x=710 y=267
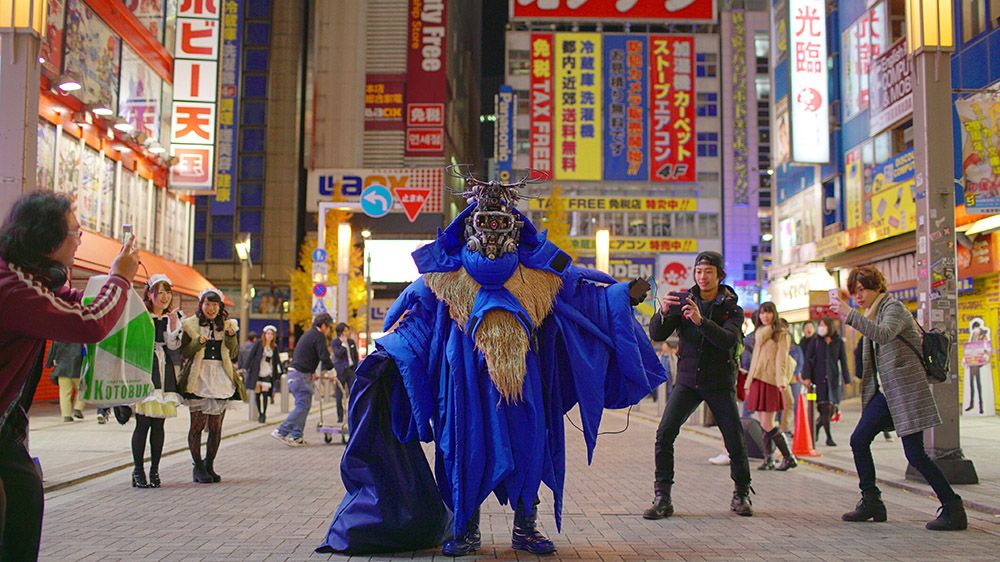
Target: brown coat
x=192 y=349
x=771 y=359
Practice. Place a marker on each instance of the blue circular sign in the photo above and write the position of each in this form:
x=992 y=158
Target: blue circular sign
x=376 y=200
x=319 y=255
x=319 y=290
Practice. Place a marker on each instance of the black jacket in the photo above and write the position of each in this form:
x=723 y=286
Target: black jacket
x=826 y=365
x=252 y=366
x=310 y=351
x=340 y=354
x=65 y=360
x=706 y=358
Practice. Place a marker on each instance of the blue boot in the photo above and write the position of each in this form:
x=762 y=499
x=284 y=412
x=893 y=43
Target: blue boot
x=525 y=536
x=466 y=544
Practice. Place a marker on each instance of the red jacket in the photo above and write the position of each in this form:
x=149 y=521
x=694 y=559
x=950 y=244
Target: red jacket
x=30 y=313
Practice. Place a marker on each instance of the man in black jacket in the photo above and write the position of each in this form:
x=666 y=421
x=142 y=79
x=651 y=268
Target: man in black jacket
x=311 y=352
x=709 y=322
x=345 y=359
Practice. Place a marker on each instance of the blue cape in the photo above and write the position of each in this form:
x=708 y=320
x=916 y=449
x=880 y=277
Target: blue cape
x=428 y=382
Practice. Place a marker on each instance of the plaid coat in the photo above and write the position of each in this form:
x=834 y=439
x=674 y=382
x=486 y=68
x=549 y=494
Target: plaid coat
x=904 y=381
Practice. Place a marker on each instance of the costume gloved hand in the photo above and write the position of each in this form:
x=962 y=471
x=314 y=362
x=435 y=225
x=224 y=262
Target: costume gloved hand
x=637 y=289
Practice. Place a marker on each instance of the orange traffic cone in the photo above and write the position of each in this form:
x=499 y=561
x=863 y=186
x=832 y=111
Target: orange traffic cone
x=802 y=444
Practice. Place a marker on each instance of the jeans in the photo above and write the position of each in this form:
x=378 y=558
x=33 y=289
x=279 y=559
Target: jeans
x=300 y=386
x=683 y=402
x=21 y=503
x=874 y=420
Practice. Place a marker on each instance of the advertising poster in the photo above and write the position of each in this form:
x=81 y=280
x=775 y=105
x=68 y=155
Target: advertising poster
x=417 y=188
x=542 y=105
x=782 y=139
x=67 y=176
x=674 y=272
x=633 y=204
x=892 y=204
x=88 y=195
x=46 y=155
x=603 y=10
x=853 y=188
x=625 y=89
x=623 y=268
x=150 y=13
x=578 y=106
x=977 y=350
x=93 y=54
x=384 y=94
x=809 y=96
x=426 y=79
x=863 y=42
x=139 y=94
x=891 y=87
x=980 y=119
x=227 y=133
x=672 y=130
x=51 y=50
x=506 y=108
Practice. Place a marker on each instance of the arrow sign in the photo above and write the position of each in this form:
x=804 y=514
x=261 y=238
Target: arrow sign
x=412 y=199
x=376 y=200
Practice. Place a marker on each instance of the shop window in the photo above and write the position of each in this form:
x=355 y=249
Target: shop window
x=708 y=145
x=706 y=64
x=222 y=248
x=518 y=62
x=250 y=221
x=201 y=221
x=707 y=104
x=255 y=86
x=222 y=224
x=251 y=167
x=258 y=34
x=251 y=195
x=199 y=250
x=253 y=111
x=256 y=60
x=761 y=44
x=258 y=9
x=762 y=84
x=253 y=140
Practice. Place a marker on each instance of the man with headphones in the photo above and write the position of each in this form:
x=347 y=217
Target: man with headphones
x=38 y=242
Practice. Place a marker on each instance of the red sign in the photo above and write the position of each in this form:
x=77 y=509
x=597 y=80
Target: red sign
x=193 y=168
x=412 y=199
x=659 y=11
x=541 y=101
x=671 y=94
x=425 y=141
x=427 y=84
x=384 y=102
x=980 y=259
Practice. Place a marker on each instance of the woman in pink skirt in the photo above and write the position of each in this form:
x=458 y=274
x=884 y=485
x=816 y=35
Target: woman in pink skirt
x=769 y=373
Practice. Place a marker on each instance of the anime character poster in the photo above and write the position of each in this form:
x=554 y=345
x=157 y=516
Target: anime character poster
x=978 y=361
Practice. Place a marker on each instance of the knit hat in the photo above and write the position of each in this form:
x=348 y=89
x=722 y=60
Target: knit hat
x=712 y=258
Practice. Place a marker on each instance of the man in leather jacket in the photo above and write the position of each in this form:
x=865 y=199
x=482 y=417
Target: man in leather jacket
x=709 y=323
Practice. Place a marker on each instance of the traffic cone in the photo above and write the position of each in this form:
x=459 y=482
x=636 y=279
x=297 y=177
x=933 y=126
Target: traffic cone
x=802 y=443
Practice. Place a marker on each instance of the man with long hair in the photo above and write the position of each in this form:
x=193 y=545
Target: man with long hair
x=38 y=242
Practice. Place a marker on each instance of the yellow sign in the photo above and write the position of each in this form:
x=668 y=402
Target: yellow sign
x=854 y=187
x=893 y=209
x=640 y=245
x=640 y=204
x=578 y=97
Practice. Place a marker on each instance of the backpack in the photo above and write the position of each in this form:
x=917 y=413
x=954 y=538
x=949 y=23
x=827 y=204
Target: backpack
x=934 y=355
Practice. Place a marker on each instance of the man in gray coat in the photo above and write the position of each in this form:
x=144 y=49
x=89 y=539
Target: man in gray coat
x=66 y=360
x=895 y=393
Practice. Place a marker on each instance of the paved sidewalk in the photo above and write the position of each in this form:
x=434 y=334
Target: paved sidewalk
x=70 y=452
x=275 y=504
x=980 y=443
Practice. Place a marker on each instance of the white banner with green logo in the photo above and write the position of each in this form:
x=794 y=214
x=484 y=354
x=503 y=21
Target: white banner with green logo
x=117 y=370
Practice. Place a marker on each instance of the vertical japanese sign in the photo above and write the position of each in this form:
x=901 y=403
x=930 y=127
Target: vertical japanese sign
x=506 y=102
x=865 y=40
x=671 y=86
x=578 y=106
x=427 y=84
x=741 y=150
x=541 y=101
x=226 y=144
x=384 y=102
x=891 y=87
x=980 y=118
x=808 y=95
x=853 y=188
x=625 y=90
x=196 y=72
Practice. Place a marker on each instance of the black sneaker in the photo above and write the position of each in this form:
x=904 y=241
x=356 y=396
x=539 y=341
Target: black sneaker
x=741 y=503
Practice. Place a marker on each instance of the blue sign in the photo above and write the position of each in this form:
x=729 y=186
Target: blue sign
x=504 y=141
x=319 y=289
x=376 y=200
x=228 y=111
x=319 y=255
x=626 y=120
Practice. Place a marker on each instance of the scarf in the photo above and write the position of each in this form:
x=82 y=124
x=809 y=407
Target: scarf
x=872 y=310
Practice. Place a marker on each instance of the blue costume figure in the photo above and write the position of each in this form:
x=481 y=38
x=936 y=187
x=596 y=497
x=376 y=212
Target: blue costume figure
x=484 y=354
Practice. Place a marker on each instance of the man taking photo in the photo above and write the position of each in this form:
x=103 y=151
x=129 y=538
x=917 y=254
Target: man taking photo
x=709 y=323
x=37 y=245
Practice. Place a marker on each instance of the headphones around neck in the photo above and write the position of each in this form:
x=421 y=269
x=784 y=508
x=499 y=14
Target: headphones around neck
x=54 y=275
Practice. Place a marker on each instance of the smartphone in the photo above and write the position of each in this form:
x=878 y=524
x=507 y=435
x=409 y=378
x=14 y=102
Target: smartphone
x=683 y=296
x=833 y=294
x=127 y=234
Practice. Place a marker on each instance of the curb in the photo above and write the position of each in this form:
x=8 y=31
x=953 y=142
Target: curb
x=912 y=488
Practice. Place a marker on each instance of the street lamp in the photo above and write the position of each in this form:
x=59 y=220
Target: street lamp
x=243 y=247
x=23 y=16
x=603 y=242
x=929 y=28
x=343 y=268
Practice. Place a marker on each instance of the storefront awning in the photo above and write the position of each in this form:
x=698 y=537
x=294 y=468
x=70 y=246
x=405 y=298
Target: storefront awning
x=96 y=253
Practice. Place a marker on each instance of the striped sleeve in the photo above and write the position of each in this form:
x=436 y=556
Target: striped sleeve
x=32 y=310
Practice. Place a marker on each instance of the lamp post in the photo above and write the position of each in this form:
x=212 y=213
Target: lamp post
x=366 y=234
x=603 y=242
x=343 y=268
x=243 y=252
x=22 y=24
x=930 y=40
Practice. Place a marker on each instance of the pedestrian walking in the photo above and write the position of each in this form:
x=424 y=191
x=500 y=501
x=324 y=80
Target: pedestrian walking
x=770 y=370
x=151 y=412
x=263 y=369
x=709 y=322
x=209 y=381
x=311 y=351
x=66 y=361
x=38 y=242
x=894 y=394
x=345 y=359
x=826 y=367
x=790 y=394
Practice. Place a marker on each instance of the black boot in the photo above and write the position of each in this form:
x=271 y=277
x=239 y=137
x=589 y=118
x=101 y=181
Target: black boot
x=951 y=517
x=662 y=507
x=741 y=503
x=870 y=507
x=154 y=477
x=525 y=536
x=139 y=478
x=199 y=474
x=768 y=443
x=209 y=464
x=788 y=460
x=470 y=542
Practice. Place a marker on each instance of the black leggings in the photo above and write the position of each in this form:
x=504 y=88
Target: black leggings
x=262 y=403
x=825 y=415
x=154 y=428
x=21 y=503
x=199 y=421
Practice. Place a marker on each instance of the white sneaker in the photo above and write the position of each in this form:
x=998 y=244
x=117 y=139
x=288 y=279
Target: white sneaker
x=720 y=459
x=278 y=436
x=295 y=441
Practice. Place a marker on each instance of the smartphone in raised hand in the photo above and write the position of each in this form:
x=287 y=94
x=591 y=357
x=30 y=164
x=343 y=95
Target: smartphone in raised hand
x=127 y=235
